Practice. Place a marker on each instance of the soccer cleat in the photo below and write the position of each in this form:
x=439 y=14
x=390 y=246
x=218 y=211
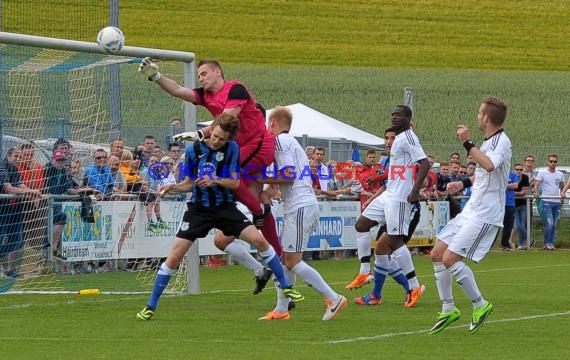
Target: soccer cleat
x=335 y=307
x=291 y=305
x=368 y=299
x=413 y=296
x=145 y=314
x=153 y=227
x=261 y=281
x=359 y=281
x=274 y=315
x=293 y=294
x=444 y=320
x=163 y=225
x=479 y=316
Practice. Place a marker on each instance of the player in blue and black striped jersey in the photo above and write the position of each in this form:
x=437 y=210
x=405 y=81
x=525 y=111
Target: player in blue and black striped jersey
x=211 y=173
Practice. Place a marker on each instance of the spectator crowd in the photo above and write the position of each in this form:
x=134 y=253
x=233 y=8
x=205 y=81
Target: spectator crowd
x=121 y=173
x=117 y=174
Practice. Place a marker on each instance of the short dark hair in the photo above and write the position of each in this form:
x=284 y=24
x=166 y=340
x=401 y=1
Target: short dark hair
x=59 y=142
x=173 y=144
x=495 y=109
x=215 y=64
x=137 y=154
x=405 y=110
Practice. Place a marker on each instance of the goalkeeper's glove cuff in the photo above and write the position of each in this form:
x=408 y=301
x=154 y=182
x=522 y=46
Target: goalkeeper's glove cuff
x=155 y=77
x=200 y=134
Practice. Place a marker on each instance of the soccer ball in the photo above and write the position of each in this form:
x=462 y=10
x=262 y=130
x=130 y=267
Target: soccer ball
x=110 y=40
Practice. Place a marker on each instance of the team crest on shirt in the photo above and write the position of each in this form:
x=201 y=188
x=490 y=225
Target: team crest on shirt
x=219 y=156
x=184 y=226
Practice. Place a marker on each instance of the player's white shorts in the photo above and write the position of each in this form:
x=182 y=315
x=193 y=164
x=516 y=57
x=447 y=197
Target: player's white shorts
x=297 y=227
x=469 y=238
x=395 y=214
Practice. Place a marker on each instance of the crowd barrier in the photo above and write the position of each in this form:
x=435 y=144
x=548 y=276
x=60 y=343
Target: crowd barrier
x=120 y=229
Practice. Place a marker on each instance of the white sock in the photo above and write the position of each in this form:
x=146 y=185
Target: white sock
x=394 y=268
x=444 y=286
x=314 y=279
x=404 y=258
x=240 y=254
x=267 y=255
x=381 y=262
x=283 y=301
x=364 y=267
x=165 y=270
x=363 y=241
x=465 y=278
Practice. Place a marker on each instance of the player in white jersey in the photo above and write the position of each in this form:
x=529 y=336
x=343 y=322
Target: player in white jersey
x=393 y=208
x=300 y=215
x=471 y=234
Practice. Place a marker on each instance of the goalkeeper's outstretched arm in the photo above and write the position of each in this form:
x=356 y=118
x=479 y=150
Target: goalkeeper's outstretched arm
x=176 y=90
x=151 y=70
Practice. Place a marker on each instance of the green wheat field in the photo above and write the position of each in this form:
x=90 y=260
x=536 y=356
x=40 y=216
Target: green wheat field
x=530 y=321
x=352 y=59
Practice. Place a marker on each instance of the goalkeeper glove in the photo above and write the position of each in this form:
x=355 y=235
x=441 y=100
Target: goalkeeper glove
x=149 y=69
x=190 y=135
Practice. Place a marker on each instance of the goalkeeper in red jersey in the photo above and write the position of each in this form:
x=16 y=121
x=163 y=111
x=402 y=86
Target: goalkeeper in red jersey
x=256 y=144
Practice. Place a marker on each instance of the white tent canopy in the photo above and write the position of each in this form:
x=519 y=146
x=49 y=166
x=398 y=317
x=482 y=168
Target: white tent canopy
x=316 y=125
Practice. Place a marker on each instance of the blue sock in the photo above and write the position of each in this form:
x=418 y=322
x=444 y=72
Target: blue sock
x=398 y=276
x=380 y=272
x=161 y=282
x=401 y=279
x=269 y=258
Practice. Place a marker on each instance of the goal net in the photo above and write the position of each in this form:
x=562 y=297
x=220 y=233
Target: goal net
x=58 y=108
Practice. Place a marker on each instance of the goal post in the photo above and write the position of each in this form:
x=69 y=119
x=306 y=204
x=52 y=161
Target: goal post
x=58 y=88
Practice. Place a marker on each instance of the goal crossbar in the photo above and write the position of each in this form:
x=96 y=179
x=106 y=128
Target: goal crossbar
x=91 y=47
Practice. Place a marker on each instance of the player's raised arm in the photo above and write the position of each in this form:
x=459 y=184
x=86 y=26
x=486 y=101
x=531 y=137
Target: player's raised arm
x=465 y=138
x=151 y=70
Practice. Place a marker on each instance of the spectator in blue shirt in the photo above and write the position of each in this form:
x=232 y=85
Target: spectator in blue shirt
x=98 y=175
x=509 y=219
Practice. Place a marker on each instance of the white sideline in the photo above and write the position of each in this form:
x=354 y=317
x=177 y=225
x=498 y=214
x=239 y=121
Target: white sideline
x=464 y=326
x=328 y=342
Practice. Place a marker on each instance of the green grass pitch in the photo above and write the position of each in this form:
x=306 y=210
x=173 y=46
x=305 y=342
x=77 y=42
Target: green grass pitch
x=529 y=289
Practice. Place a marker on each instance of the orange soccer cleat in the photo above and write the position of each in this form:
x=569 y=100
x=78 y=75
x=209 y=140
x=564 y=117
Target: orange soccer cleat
x=413 y=296
x=274 y=315
x=359 y=281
